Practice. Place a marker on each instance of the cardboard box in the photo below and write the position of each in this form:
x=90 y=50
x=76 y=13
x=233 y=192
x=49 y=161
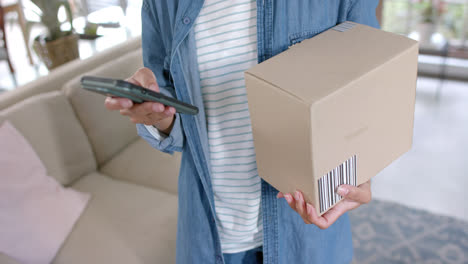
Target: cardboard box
x=334 y=109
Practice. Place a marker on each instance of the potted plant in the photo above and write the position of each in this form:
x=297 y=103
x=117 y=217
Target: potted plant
x=56 y=47
x=90 y=31
x=430 y=10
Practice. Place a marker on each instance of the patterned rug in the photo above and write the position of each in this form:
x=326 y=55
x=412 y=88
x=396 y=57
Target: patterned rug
x=385 y=232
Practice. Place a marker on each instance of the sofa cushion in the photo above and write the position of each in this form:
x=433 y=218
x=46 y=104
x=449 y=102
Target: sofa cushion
x=140 y=163
x=108 y=132
x=36 y=212
x=123 y=223
x=49 y=124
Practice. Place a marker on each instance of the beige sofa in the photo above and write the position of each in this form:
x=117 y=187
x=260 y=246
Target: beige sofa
x=132 y=215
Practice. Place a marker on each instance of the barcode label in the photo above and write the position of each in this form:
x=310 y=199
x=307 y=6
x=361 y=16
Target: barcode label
x=345 y=173
x=344 y=26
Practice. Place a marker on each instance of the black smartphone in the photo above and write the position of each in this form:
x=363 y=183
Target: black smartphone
x=138 y=94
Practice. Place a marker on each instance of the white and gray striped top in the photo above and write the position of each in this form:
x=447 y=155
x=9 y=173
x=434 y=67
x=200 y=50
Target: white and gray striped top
x=226 y=41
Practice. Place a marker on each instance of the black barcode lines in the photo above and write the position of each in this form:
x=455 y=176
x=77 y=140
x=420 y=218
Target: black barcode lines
x=345 y=173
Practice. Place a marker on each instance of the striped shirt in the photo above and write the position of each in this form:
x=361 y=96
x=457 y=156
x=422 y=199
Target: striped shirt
x=226 y=42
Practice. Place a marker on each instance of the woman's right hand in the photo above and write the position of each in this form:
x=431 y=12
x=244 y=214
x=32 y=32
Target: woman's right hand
x=148 y=113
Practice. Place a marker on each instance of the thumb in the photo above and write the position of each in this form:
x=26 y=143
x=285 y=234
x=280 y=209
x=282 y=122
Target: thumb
x=357 y=194
x=145 y=78
x=154 y=87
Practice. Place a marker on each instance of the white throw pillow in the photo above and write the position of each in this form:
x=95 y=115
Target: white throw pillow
x=36 y=212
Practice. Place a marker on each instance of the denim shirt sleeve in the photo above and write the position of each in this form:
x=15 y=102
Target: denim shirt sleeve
x=173 y=142
x=363 y=12
x=155 y=57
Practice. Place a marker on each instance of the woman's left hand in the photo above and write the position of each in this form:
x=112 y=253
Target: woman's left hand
x=353 y=197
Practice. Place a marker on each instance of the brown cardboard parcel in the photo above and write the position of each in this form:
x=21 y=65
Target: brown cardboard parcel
x=334 y=109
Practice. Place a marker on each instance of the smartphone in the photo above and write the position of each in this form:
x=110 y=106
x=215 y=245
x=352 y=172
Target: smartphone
x=138 y=94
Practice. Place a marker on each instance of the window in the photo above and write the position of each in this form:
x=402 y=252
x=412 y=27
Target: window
x=449 y=18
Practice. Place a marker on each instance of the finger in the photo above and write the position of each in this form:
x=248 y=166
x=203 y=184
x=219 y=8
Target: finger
x=145 y=120
x=151 y=121
x=337 y=211
x=156 y=118
x=312 y=216
x=139 y=111
x=169 y=110
x=137 y=120
x=300 y=205
x=292 y=203
x=148 y=108
x=290 y=200
x=361 y=194
x=330 y=217
x=145 y=78
x=145 y=109
x=132 y=114
x=116 y=103
x=133 y=80
x=126 y=112
x=142 y=114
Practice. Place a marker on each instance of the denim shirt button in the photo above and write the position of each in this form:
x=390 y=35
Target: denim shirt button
x=186 y=20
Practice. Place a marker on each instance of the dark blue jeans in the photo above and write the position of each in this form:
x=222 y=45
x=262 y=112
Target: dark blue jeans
x=253 y=256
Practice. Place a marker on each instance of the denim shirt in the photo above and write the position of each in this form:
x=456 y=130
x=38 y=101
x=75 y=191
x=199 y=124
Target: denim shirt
x=169 y=51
